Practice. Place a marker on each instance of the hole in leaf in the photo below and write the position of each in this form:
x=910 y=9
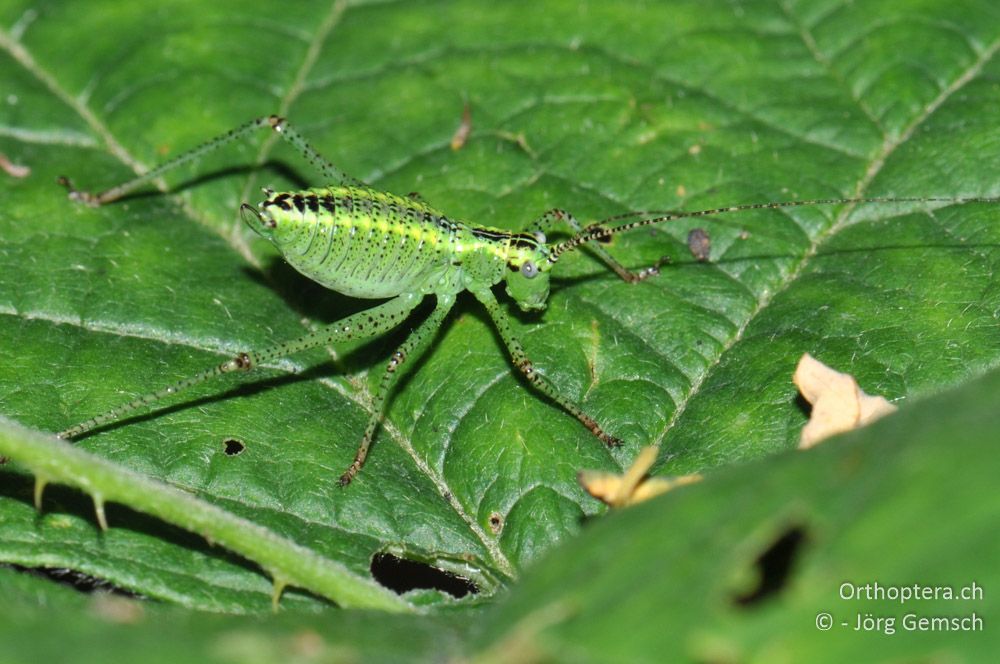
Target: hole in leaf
x=774 y=566
x=77 y=580
x=233 y=446
x=401 y=575
x=496 y=523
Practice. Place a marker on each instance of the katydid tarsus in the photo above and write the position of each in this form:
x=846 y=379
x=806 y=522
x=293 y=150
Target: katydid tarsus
x=367 y=243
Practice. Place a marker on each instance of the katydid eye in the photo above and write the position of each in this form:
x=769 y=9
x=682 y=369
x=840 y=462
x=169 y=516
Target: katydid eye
x=529 y=269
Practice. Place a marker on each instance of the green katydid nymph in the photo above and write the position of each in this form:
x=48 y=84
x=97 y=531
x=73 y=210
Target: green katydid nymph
x=366 y=243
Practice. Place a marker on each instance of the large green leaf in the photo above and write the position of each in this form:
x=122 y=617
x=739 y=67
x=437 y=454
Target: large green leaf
x=745 y=566
x=597 y=107
x=742 y=567
x=103 y=627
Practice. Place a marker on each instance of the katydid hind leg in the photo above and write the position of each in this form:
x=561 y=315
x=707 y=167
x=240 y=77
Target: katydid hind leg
x=411 y=348
x=361 y=325
x=526 y=367
x=277 y=124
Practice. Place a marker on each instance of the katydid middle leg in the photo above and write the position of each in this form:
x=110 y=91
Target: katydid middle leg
x=361 y=325
x=415 y=344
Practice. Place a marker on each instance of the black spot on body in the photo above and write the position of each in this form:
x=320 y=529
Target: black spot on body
x=486 y=234
x=524 y=241
x=280 y=201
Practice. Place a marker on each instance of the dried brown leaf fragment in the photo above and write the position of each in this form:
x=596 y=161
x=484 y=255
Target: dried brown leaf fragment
x=634 y=485
x=838 y=404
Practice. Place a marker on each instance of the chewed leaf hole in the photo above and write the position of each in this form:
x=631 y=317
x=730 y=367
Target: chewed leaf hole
x=496 y=523
x=773 y=567
x=77 y=580
x=401 y=575
x=233 y=446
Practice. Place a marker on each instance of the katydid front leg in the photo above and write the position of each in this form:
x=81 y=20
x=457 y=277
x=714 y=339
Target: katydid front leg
x=537 y=380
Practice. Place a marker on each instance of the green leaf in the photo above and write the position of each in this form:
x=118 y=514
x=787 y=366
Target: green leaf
x=597 y=107
x=52 y=460
x=741 y=566
x=102 y=626
x=736 y=568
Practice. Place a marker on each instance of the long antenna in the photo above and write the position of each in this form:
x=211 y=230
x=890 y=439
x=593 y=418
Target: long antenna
x=599 y=232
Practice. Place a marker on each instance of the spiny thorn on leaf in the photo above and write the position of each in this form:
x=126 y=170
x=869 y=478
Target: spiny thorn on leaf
x=40 y=483
x=279 y=587
x=102 y=520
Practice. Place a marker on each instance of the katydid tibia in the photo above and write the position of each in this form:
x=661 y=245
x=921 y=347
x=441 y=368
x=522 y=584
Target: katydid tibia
x=367 y=243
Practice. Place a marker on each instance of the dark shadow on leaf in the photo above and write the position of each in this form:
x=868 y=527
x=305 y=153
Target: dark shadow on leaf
x=802 y=404
x=277 y=169
x=397 y=336
x=78 y=581
x=59 y=499
x=242 y=390
x=306 y=297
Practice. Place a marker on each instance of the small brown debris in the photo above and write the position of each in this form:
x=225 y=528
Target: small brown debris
x=699 y=244
x=464 y=129
x=838 y=404
x=308 y=644
x=634 y=485
x=116 y=609
x=12 y=169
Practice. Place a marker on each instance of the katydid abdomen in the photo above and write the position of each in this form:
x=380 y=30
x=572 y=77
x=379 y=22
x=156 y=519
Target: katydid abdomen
x=372 y=244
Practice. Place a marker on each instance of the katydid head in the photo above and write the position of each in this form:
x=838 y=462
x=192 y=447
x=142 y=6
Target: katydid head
x=528 y=271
